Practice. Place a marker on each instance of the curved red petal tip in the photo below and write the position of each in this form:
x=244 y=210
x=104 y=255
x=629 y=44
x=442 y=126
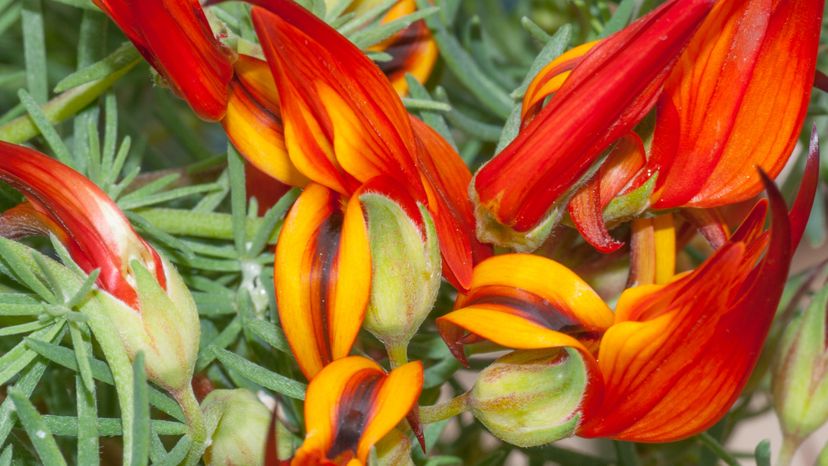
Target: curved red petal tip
x=586 y=213
x=416 y=426
x=801 y=209
x=821 y=81
x=272 y=444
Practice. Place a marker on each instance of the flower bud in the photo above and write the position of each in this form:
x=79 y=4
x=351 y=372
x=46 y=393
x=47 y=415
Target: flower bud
x=166 y=328
x=530 y=398
x=394 y=450
x=239 y=424
x=405 y=269
x=800 y=372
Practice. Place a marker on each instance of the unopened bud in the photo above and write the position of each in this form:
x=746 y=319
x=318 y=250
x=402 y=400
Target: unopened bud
x=165 y=327
x=406 y=270
x=800 y=372
x=239 y=424
x=394 y=450
x=530 y=398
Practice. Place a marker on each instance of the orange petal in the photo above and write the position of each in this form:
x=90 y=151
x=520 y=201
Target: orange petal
x=724 y=111
x=351 y=404
x=413 y=50
x=514 y=302
x=175 y=37
x=607 y=94
x=446 y=178
x=341 y=114
x=253 y=127
x=680 y=354
x=96 y=232
x=322 y=277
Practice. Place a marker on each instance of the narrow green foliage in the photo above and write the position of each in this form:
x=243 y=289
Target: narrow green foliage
x=259 y=375
x=141 y=422
x=39 y=433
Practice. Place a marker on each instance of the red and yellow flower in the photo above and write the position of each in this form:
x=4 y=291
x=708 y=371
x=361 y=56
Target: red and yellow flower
x=350 y=406
x=736 y=100
x=674 y=356
x=607 y=92
x=346 y=128
x=141 y=293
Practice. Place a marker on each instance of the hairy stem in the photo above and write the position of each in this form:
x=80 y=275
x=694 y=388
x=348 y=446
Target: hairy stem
x=790 y=444
x=446 y=410
x=195 y=423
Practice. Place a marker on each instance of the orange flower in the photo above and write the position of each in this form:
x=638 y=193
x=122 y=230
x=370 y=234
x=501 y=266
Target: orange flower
x=345 y=125
x=349 y=407
x=64 y=202
x=608 y=92
x=674 y=357
x=736 y=100
x=175 y=38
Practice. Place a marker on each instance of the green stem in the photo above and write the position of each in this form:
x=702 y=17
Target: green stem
x=443 y=411
x=62 y=107
x=397 y=354
x=718 y=449
x=790 y=444
x=195 y=423
x=211 y=225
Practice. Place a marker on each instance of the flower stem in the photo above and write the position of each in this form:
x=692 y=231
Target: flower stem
x=713 y=445
x=790 y=444
x=446 y=410
x=195 y=422
x=397 y=354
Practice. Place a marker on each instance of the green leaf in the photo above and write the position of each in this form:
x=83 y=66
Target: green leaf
x=45 y=127
x=626 y=453
x=39 y=433
x=269 y=222
x=21 y=355
x=123 y=56
x=434 y=119
x=100 y=371
x=84 y=4
x=67 y=426
x=235 y=169
x=141 y=422
x=556 y=46
x=177 y=454
x=80 y=341
x=34 y=50
x=26 y=385
x=88 y=445
x=6 y=456
x=261 y=376
x=270 y=333
x=763 y=453
x=622 y=16
x=227 y=336
x=20 y=270
x=369 y=36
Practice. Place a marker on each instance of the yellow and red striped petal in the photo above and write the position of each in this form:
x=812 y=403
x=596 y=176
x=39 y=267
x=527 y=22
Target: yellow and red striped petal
x=253 y=122
x=175 y=37
x=550 y=79
x=96 y=232
x=607 y=94
x=523 y=301
x=343 y=120
x=680 y=354
x=322 y=276
x=446 y=179
x=725 y=109
x=350 y=405
x=412 y=50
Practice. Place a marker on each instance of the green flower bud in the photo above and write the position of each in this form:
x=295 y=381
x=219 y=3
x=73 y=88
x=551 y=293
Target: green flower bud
x=406 y=270
x=237 y=424
x=165 y=328
x=530 y=398
x=394 y=450
x=800 y=372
